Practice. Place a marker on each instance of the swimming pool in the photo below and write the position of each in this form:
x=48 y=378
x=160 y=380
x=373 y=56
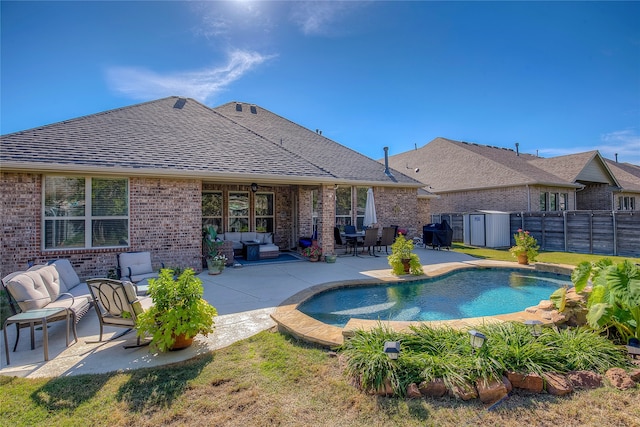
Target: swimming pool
x=461 y=294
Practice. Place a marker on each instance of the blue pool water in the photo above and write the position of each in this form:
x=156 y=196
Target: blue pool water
x=458 y=295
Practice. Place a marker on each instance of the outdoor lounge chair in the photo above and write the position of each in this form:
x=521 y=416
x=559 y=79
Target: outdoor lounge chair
x=117 y=305
x=387 y=239
x=136 y=267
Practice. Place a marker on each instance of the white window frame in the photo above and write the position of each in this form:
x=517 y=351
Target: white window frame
x=88 y=218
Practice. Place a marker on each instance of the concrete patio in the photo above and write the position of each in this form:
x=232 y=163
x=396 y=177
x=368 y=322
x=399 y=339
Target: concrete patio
x=244 y=297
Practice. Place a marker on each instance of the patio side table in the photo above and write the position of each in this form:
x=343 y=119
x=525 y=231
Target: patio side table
x=37 y=316
x=251 y=251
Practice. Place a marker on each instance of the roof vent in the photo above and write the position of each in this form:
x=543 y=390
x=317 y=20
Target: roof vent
x=254 y=110
x=238 y=107
x=180 y=103
x=517 y=148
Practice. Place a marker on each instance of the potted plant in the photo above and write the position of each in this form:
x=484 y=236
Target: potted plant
x=216 y=260
x=402 y=259
x=526 y=247
x=179 y=312
x=330 y=258
x=313 y=252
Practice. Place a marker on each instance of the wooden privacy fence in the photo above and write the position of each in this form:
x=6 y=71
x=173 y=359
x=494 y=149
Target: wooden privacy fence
x=588 y=232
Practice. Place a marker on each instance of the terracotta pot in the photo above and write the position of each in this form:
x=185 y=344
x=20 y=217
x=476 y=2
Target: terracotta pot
x=406 y=264
x=181 y=342
x=523 y=259
x=314 y=258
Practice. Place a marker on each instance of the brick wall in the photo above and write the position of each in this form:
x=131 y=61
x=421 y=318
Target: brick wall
x=398 y=206
x=595 y=197
x=21 y=199
x=165 y=219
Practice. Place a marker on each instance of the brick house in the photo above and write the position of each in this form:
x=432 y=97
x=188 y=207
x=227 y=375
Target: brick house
x=468 y=177
x=149 y=176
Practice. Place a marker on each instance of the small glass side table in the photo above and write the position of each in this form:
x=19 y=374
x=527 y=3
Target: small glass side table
x=39 y=316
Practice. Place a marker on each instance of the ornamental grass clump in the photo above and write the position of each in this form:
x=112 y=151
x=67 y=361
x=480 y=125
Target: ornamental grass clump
x=428 y=353
x=526 y=244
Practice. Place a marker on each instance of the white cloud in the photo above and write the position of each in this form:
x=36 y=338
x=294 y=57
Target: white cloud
x=318 y=17
x=143 y=84
x=626 y=143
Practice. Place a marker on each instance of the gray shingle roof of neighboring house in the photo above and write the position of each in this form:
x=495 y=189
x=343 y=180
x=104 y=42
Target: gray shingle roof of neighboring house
x=181 y=137
x=331 y=157
x=447 y=165
x=628 y=175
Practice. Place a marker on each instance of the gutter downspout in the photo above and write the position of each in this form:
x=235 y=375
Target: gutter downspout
x=528 y=197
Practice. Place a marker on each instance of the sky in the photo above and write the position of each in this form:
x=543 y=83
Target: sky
x=556 y=77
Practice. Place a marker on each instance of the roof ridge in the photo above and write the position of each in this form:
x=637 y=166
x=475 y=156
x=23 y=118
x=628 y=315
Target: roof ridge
x=268 y=139
x=100 y=113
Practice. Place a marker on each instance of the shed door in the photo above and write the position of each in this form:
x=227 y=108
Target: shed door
x=476 y=230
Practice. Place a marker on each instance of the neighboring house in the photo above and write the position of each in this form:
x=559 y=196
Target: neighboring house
x=468 y=177
x=149 y=176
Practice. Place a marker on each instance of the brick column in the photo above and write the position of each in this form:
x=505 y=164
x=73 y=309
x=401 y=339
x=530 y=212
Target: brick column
x=326 y=218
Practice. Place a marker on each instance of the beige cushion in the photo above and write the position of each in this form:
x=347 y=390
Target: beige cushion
x=68 y=277
x=50 y=278
x=133 y=265
x=29 y=290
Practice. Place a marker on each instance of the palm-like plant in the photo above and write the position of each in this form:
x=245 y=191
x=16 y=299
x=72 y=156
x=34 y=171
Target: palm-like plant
x=615 y=295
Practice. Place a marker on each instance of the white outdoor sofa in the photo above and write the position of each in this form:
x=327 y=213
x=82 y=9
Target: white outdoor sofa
x=54 y=285
x=267 y=248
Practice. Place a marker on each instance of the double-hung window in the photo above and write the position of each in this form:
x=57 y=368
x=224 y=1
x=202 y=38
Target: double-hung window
x=239 y=211
x=212 y=210
x=343 y=206
x=264 y=212
x=85 y=212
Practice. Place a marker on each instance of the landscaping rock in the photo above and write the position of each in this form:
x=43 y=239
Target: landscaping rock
x=507 y=384
x=433 y=388
x=530 y=382
x=557 y=384
x=491 y=391
x=464 y=392
x=635 y=375
x=584 y=379
x=546 y=305
x=413 y=392
x=619 y=378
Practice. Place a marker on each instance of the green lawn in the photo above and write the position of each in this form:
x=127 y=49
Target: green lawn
x=272 y=379
x=568 y=258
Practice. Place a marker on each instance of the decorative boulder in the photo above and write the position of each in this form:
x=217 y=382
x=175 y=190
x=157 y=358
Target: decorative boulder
x=619 y=378
x=530 y=382
x=584 y=379
x=433 y=388
x=464 y=392
x=413 y=392
x=491 y=391
x=557 y=384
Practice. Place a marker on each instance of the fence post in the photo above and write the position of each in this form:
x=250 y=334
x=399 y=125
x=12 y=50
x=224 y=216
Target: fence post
x=615 y=234
x=564 y=228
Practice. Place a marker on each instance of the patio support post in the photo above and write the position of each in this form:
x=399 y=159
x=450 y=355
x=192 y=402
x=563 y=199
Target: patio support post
x=327 y=218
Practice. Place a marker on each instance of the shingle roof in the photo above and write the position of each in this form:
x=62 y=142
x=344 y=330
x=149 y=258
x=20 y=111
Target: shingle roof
x=172 y=137
x=628 y=175
x=448 y=165
x=331 y=157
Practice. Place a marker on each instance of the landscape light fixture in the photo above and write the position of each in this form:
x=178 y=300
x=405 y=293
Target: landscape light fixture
x=477 y=339
x=392 y=349
x=535 y=327
x=254 y=187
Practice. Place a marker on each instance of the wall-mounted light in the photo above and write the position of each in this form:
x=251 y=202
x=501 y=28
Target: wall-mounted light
x=477 y=339
x=535 y=327
x=392 y=349
x=254 y=187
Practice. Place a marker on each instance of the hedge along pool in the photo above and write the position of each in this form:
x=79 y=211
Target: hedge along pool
x=460 y=294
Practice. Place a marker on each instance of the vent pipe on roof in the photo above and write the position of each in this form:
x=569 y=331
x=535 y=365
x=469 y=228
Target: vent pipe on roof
x=517 y=148
x=386 y=162
x=616 y=157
